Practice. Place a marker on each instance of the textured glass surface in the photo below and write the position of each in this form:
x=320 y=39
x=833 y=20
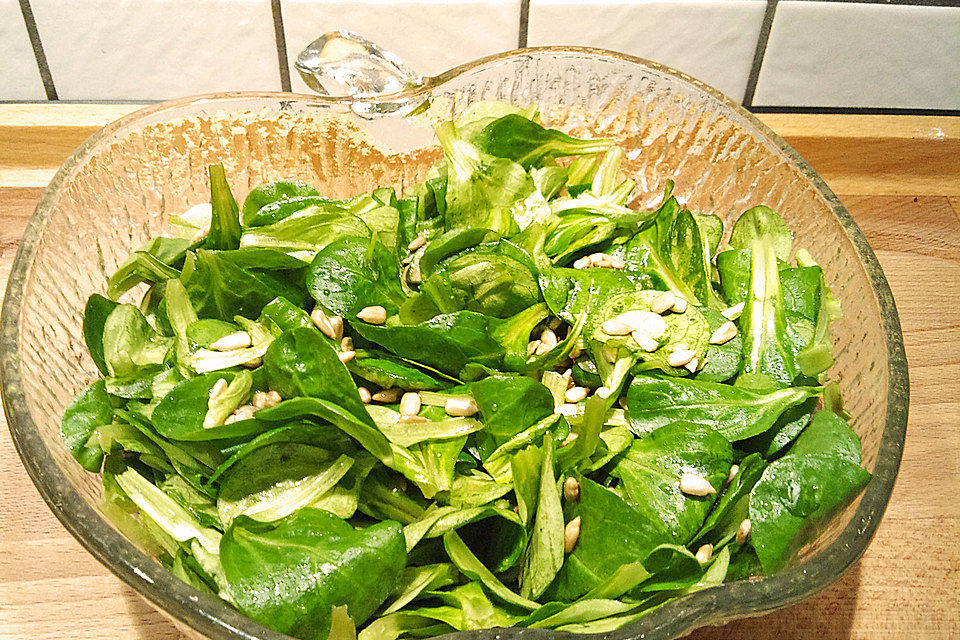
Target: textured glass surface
x=120 y=187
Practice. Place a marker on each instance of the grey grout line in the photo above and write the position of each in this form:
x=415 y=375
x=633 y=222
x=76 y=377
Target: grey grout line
x=31 y=24
x=762 y=38
x=80 y=101
x=765 y=109
x=875 y=111
x=281 y=38
x=923 y=3
x=524 y=23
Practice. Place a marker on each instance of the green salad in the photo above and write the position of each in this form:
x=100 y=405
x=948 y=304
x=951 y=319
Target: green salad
x=504 y=398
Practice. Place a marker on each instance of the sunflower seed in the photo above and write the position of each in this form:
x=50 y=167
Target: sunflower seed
x=663 y=302
x=410 y=404
x=724 y=333
x=374 y=315
x=694 y=484
x=461 y=407
x=232 y=342
x=704 y=553
x=571 y=533
x=680 y=357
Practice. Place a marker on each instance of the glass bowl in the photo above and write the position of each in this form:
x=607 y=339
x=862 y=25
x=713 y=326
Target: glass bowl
x=119 y=188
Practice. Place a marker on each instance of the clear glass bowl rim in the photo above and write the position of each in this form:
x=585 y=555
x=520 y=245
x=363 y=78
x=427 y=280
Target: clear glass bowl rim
x=212 y=618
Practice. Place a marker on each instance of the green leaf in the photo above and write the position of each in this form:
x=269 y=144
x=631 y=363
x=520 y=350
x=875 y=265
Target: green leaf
x=572 y=292
x=201 y=506
x=671 y=567
x=451 y=243
x=544 y=554
x=681 y=247
x=584 y=611
x=801 y=290
x=734 y=268
x=469 y=566
x=795 y=494
x=471 y=121
x=722 y=360
x=95 y=315
x=612 y=534
x=225 y=219
x=204 y=333
x=495 y=279
x=332 y=438
x=278 y=479
x=228 y=400
x=480 y=188
x=514 y=335
x=301 y=363
x=220 y=289
x=389 y=371
x=440 y=520
x=156 y=261
x=528 y=143
x=364 y=432
x=619 y=582
x=130 y=344
x=407 y=434
x=828 y=434
x=447 y=342
x=735 y=413
x=744 y=564
x=181 y=414
x=508 y=405
x=477 y=611
x=315 y=223
x=762 y=224
x=498 y=462
x=723 y=517
x=650 y=477
x=475 y=490
x=173 y=519
x=763 y=324
x=715 y=575
x=787 y=427
x=588 y=433
x=817 y=356
x=352 y=273
x=402 y=623
x=263 y=258
x=525 y=471
x=194 y=465
x=430 y=464
x=672 y=249
x=284 y=315
x=90 y=409
x=279 y=572
x=689 y=328
x=415 y=580
x=180 y=314
x=263 y=204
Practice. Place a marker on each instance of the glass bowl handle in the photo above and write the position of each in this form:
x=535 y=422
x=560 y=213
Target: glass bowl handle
x=344 y=66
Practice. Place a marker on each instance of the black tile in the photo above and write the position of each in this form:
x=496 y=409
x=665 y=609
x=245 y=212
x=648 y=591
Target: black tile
x=44 y=68
x=281 y=39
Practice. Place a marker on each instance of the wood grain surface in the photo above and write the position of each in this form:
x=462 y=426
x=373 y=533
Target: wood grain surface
x=899 y=177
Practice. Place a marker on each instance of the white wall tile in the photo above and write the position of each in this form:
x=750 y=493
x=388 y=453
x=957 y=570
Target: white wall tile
x=711 y=40
x=157 y=49
x=827 y=54
x=20 y=77
x=430 y=36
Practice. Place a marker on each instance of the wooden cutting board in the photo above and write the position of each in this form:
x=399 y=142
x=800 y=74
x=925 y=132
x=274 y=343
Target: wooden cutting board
x=900 y=178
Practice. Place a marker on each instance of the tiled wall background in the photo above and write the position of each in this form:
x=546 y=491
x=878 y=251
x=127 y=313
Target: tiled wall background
x=769 y=54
